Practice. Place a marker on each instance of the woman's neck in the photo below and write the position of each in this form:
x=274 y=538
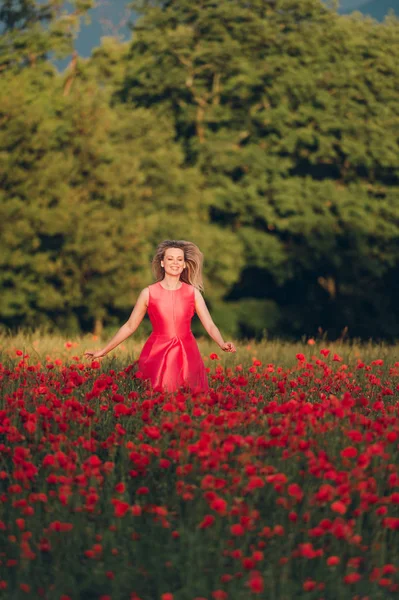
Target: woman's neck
x=171 y=282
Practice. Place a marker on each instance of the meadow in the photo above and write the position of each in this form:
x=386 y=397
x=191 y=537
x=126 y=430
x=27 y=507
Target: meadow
x=280 y=483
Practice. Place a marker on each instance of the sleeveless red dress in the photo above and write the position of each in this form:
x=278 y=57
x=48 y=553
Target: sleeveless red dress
x=170 y=358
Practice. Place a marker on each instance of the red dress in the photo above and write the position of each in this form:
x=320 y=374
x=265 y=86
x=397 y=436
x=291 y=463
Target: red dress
x=170 y=358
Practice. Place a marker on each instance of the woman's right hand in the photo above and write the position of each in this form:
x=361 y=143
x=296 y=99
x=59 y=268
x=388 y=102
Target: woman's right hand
x=92 y=354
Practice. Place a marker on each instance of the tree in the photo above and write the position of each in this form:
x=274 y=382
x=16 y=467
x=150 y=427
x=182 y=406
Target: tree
x=290 y=112
x=266 y=132
x=87 y=193
x=31 y=30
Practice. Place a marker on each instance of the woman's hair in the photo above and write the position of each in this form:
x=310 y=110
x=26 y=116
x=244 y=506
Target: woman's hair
x=193 y=257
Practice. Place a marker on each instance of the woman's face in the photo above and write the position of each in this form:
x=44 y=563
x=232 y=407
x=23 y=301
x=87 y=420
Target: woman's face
x=173 y=261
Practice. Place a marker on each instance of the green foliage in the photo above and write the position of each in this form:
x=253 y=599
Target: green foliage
x=86 y=197
x=32 y=30
x=247 y=318
x=267 y=133
x=290 y=112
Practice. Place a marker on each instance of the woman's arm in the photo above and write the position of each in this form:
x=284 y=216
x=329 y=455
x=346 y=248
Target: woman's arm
x=210 y=327
x=128 y=328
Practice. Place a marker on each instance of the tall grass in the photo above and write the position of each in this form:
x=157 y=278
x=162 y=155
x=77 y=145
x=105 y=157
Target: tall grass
x=40 y=344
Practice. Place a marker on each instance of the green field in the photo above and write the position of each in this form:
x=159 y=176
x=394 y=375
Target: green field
x=38 y=344
x=280 y=483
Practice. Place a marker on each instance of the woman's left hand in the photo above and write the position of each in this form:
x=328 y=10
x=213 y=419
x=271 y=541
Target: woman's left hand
x=228 y=347
x=94 y=354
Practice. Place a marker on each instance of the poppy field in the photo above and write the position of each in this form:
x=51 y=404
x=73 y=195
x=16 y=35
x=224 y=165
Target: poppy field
x=281 y=483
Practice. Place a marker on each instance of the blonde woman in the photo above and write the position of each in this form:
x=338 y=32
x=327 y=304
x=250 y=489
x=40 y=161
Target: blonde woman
x=170 y=358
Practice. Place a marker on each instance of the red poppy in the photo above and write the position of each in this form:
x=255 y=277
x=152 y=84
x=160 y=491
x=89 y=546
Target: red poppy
x=206 y=522
x=352 y=578
x=255 y=583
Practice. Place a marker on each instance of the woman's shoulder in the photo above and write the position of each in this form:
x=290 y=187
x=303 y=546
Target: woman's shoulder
x=152 y=289
x=194 y=291
x=193 y=287
x=144 y=293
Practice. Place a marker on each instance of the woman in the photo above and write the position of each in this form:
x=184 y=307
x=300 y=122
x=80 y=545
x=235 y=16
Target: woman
x=170 y=357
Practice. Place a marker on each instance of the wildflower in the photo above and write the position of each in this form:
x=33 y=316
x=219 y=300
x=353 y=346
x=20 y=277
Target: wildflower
x=391 y=523
x=349 y=452
x=352 y=578
x=121 y=410
x=219 y=595
x=389 y=569
x=120 y=508
x=219 y=505
x=255 y=482
x=385 y=582
x=237 y=529
x=309 y=585
x=258 y=555
x=152 y=432
x=207 y=521
x=307 y=550
x=255 y=582
x=295 y=491
x=339 y=507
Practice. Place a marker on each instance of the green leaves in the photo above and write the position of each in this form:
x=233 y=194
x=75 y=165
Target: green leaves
x=290 y=113
x=265 y=132
x=33 y=30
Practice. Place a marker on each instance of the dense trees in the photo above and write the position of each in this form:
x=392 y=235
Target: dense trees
x=266 y=132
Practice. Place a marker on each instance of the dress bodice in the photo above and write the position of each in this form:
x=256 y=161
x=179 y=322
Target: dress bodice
x=170 y=358
x=171 y=311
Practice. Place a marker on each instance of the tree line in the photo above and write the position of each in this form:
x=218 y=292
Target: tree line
x=267 y=132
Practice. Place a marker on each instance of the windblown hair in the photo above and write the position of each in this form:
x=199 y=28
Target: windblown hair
x=193 y=258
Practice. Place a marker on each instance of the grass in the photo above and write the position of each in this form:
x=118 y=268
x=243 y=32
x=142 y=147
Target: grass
x=281 y=483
